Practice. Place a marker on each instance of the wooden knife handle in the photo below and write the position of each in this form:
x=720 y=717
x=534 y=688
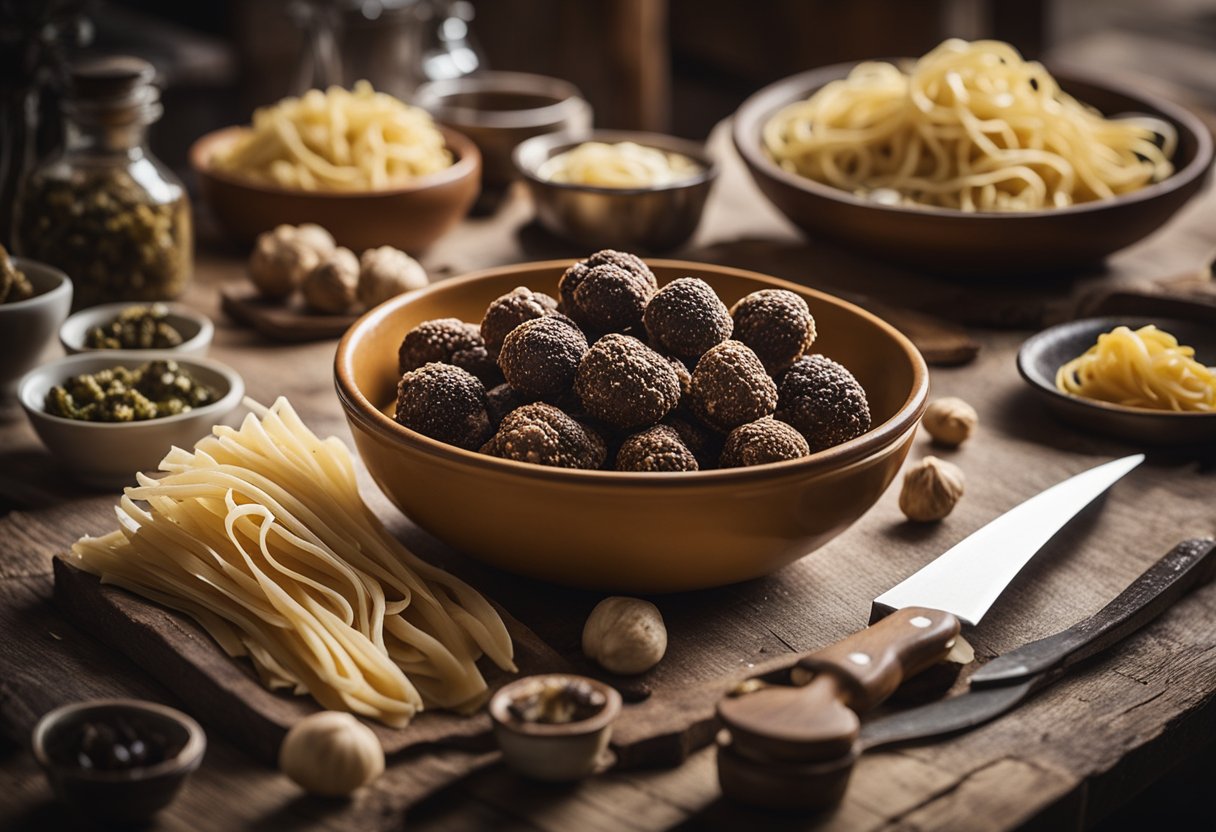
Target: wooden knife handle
x=871 y=664
x=818 y=721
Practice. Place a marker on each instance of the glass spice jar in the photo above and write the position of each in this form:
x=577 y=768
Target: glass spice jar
x=104 y=209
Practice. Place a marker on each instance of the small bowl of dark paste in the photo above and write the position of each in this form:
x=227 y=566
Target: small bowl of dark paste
x=126 y=326
x=555 y=727
x=117 y=760
x=108 y=414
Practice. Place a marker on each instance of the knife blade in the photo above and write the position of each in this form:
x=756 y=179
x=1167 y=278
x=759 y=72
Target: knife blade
x=817 y=723
x=1006 y=681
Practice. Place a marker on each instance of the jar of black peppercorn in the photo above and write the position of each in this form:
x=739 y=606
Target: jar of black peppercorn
x=104 y=209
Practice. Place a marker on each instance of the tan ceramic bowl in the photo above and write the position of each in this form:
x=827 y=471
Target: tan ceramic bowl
x=410 y=218
x=611 y=530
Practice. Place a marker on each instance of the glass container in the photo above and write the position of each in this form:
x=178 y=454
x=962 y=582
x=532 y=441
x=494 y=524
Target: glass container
x=104 y=209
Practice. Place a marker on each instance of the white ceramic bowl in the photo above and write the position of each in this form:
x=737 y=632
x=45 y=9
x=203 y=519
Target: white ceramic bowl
x=27 y=326
x=107 y=454
x=195 y=328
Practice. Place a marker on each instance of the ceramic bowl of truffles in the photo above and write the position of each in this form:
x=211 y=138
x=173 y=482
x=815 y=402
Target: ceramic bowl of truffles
x=34 y=300
x=614 y=188
x=630 y=425
x=104 y=415
x=127 y=326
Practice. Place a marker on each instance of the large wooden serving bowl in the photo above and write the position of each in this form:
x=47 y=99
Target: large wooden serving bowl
x=410 y=217
x=610 y=530
x=978 y=245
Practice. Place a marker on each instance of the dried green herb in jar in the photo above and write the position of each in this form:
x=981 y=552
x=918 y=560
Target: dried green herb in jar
x=136 y=328
x=14 y=285
x=119 y=394
x=104 y=209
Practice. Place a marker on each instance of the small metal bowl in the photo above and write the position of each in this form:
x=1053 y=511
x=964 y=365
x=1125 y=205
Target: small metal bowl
x=555 y=752
x=121 y=795
x=1043 y=354
x=654 y=218
x=498 y=110
x=195 y=328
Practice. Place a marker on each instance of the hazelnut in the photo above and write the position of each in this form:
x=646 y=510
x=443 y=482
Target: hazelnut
x=950 y=421
x=386 y=272
x=331 y=753
x=282 y=257
x=931 y=489
x=330 y=287
x=625 y=635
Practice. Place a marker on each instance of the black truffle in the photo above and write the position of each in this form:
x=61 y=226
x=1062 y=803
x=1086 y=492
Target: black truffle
x=776 y=324
x=436 y=340
x=502 y=399
x=512 y=309
x=823 y=401
x=761 y=441
x=543 y=435
x=683 y=374
x=686 y=318
x=607 y=292
x=731 y=388
x=625 y=383
x=445 y=403
x=540 y=357
x=658 y=448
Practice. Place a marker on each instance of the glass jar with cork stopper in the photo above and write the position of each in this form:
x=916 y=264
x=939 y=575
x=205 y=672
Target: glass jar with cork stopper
x=104 y=209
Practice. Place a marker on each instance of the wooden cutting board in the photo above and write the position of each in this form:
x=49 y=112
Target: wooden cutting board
x=226 y=696
x=286 y=320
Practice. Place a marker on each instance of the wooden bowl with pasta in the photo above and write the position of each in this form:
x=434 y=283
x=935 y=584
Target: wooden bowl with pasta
x=898 y=200
x=410 y=217
x=1043 y=356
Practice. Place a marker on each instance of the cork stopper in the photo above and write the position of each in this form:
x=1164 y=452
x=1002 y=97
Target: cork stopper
x=112 y=89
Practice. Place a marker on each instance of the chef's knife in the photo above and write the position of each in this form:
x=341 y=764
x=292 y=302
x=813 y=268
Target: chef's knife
x=1004 y=682
x=782 y=728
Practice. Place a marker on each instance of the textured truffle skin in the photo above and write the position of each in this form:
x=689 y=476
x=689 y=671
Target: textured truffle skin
x=445 y=403
x=705 y=443
x=502 y=399
x=607 y=292
x=543 y=435
x=438 y=341
x=686 y=318
x=762 y=441
x=658 y=448
x=823 y=401
x=479 y=362
x=776 y=324
x=731 y=388
x=625 y=383
x=540 y=357
x=512 y=309
x=683 y=374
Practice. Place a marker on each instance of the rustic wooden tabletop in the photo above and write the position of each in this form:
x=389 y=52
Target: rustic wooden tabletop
x=1070 y=756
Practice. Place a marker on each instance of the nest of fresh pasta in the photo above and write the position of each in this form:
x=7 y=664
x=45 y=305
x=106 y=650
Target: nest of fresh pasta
x=969 y=126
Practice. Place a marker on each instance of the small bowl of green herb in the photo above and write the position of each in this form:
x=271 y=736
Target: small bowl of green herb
x=106 y=414
x=126 y=326
x=34 y=300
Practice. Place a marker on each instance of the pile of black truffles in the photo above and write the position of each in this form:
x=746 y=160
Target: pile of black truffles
x=619 y=373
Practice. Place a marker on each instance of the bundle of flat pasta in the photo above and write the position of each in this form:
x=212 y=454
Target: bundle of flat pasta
x=1146 y=367
x=971 y=126
x=261 y=536
x=337 y=140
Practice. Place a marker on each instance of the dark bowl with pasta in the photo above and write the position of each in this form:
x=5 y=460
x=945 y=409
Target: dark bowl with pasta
x=1042 y=356
x=981 y=244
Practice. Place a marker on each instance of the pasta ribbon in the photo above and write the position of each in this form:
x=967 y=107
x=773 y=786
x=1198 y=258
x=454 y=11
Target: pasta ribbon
x=337 y=140
x=969 y=126
x=619 y=165
x=261 y=536
x=1146 y=368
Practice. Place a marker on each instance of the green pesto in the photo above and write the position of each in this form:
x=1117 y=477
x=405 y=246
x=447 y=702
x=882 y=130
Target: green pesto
x=152 y=391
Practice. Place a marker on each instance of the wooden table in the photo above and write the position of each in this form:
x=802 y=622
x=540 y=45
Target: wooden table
x=1068 y=757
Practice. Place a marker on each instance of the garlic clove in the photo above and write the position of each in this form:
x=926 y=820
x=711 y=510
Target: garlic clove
x=331 y=753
